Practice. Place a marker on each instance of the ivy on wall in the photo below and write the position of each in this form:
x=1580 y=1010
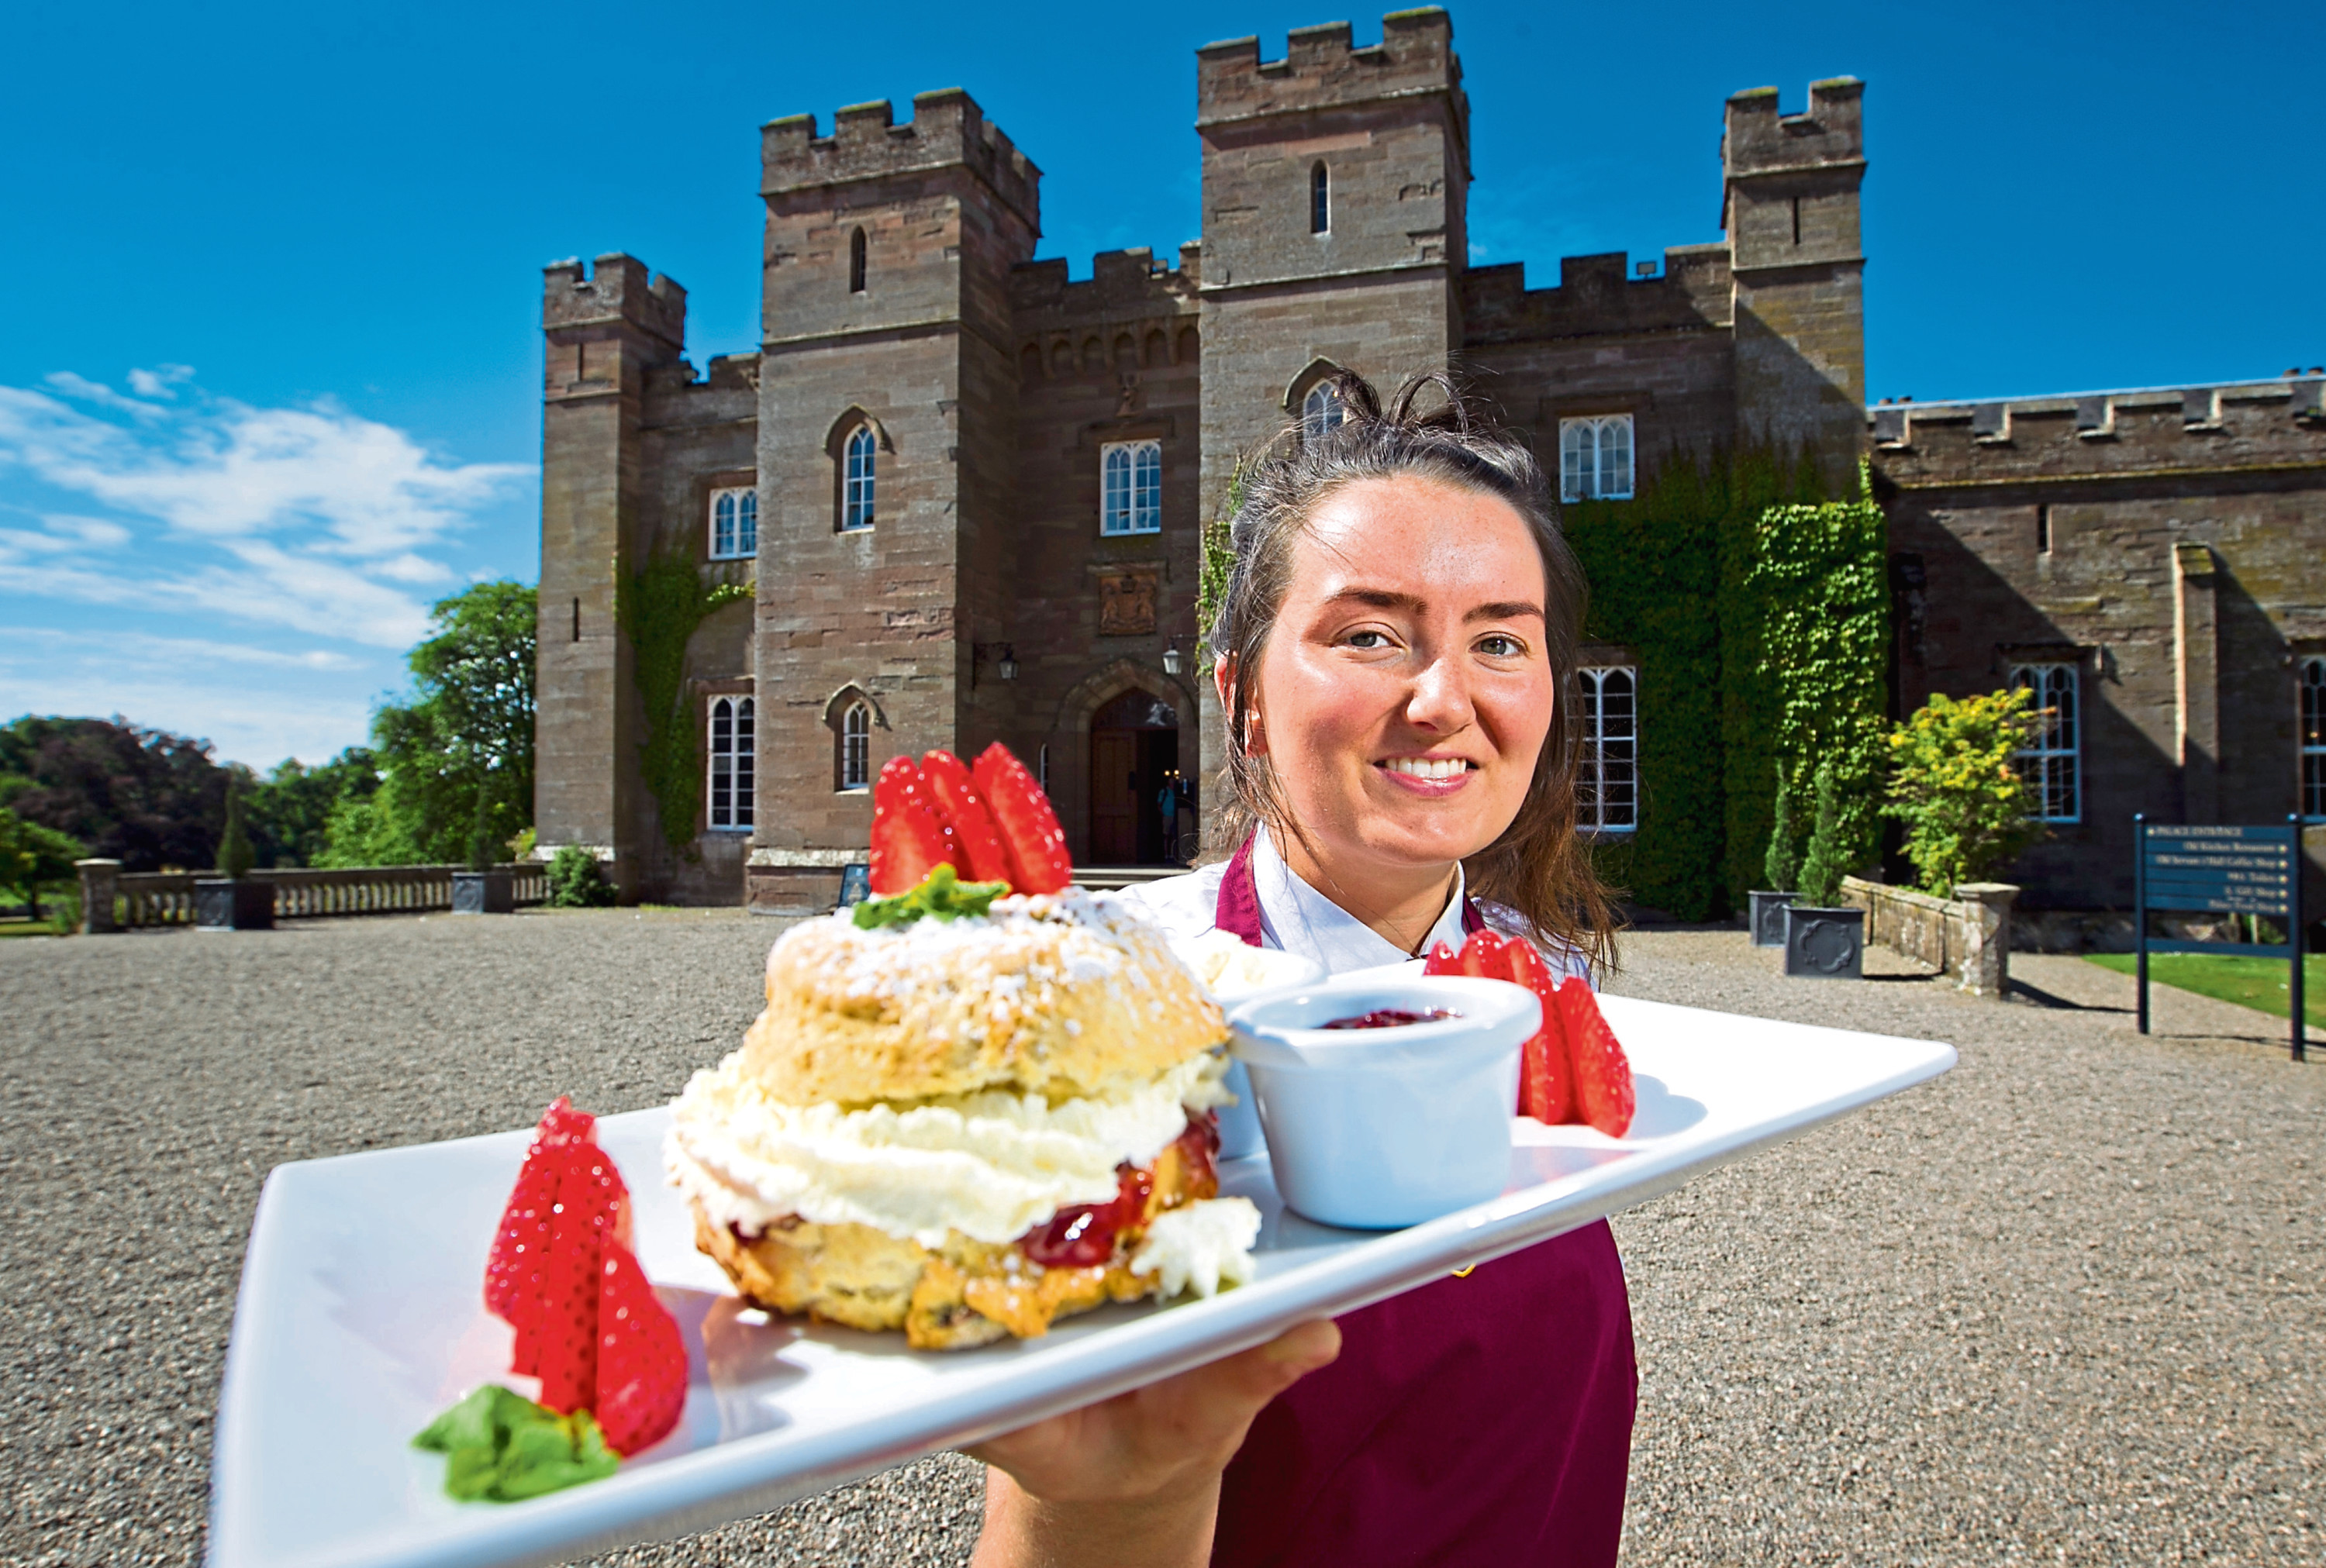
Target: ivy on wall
x=662 y=604
x=1668 y=572
x=1816 y=590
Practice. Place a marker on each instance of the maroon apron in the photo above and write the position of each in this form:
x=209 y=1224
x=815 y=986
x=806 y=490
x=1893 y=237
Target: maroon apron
x=1484 y=1419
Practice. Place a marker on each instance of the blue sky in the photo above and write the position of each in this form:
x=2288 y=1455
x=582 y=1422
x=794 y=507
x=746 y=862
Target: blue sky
x=271 y=381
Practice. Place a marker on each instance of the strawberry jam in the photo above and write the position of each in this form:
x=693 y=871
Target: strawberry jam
x=1082 y=1237
x=1391 y=1018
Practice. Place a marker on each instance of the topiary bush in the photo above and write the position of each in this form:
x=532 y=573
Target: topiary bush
x=1829 y=857
x=575 y=881
x=1782 y=865
x=235 y=856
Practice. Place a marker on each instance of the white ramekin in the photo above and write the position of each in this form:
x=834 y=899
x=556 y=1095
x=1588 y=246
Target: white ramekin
x=1376 y=1128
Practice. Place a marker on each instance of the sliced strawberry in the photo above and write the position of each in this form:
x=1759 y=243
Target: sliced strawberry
x=513 y=1270
x=908 y=839
x=1482 y=956
x=978 y=843
x=567 y=1333
x=641 y=1361
x=1038 y=862
x=1546 y=1078
x=1603 y=1074
x=1443 y=960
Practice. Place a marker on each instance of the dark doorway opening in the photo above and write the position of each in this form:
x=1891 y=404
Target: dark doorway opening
x=1134 y=751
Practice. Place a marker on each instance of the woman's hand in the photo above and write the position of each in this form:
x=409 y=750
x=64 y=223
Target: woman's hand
x=1134 y=1481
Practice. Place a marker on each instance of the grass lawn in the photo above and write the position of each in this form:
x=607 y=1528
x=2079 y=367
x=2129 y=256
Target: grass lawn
x=17 y=925
x=2249 y=982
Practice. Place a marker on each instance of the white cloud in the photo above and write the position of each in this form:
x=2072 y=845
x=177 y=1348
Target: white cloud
x=158 y=382
x=312 y=519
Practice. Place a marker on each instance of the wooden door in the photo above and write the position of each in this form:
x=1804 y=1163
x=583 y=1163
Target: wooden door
x=1114 y=797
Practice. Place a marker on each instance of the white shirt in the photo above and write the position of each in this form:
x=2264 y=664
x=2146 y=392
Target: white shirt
x=1293 y=916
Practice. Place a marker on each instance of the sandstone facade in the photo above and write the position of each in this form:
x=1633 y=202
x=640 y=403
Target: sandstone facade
x=907 y=333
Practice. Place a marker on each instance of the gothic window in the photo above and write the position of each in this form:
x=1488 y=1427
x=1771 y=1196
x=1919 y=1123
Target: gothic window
x=856 y=261
x=1131 y=487
x=2050 y=760
x=1320 y=200
x=1321 y=410
x=1607 y=785
x=855 y=769
x=856 y=481
x=731 y=763
x=2313 y=738
x=1595 y=458
x=734 y=524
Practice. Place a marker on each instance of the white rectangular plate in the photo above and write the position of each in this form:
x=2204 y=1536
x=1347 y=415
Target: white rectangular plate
x=361 y=1315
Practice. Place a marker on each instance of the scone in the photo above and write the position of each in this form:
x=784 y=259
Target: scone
x=967 y=1128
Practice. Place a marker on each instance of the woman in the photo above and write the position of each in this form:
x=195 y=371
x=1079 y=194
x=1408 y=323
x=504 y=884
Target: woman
x=1395 y=643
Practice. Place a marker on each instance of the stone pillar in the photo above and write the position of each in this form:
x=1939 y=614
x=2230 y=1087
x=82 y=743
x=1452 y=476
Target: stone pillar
x=2197 y=681
x=99 y=883
x=1986 y=937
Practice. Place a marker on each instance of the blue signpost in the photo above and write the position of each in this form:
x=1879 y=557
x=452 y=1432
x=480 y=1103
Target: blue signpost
x=2220 y=870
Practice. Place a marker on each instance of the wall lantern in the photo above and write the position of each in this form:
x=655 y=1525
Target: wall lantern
x=1008 y=666
x=1172 y=658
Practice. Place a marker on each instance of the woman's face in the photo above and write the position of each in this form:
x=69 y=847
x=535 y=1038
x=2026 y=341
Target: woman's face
x=1406 y=691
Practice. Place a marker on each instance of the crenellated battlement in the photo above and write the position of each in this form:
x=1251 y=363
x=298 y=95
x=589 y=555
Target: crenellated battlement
x=620 y=291
x=1321 y=68
x=947 y=129
x=1595 y=297
x=1760 y=140
x=1123 y=285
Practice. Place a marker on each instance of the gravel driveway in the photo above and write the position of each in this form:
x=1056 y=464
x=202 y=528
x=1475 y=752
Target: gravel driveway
x=2064 y=1305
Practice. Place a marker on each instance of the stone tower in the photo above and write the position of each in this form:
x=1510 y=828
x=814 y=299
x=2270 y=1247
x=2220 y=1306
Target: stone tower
x=885 y=310
x=1335 y=183
x=605 y=333
x=1789 y=205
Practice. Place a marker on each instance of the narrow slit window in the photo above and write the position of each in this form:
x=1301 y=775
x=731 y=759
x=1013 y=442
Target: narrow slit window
x=1131 y=487
x=1320 y=200
x=1607 y=785
x=2050 y=760
x=1797 y=220
x=856 y=747
x=2313 y=689
x=2044 y=530
x=733 y=763
x=856 y=261
x=857 y=480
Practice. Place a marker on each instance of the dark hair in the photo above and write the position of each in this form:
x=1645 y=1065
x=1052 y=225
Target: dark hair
x=1538 y=867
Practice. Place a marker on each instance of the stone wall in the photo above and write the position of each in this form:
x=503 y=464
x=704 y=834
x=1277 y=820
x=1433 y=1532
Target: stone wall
x=1969 y=936
x=2170 y=545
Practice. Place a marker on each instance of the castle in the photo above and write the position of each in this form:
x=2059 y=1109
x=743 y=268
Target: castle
x=955 y=497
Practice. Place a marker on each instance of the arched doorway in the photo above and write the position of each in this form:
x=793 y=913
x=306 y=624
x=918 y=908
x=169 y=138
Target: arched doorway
x=1134 y=748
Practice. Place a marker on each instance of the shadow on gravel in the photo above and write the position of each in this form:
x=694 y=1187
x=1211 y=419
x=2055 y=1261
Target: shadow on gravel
x=2044 y=998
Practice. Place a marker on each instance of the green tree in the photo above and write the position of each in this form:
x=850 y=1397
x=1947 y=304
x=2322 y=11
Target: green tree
x=1966 y=808
x=289 y=812
x=459 y=754
x=144 y=797
x=32 y=856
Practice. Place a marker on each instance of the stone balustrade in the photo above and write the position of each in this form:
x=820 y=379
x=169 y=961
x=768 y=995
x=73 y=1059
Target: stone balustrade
x=1968 y=936
x=113 y=899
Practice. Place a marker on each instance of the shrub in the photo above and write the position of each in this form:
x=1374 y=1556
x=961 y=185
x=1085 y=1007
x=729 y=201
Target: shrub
x=1782 y=867
x=234 y=855
x=1827 y=859
x=575 y=882
x=1967 y=810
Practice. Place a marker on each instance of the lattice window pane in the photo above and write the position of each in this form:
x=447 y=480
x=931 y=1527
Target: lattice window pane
x=856 y=747
x=2051 y=762
x=747 y=523
x=857 y=498
x=1321 y=411
x=1615 y=458
x=2313 y=738
x=746 y=762
x=1320 y=200
x=723 y=764
x=1147 y=499
x=1607 y=783
x=723 y=524
x=1114 y=484
x=1577 y=453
